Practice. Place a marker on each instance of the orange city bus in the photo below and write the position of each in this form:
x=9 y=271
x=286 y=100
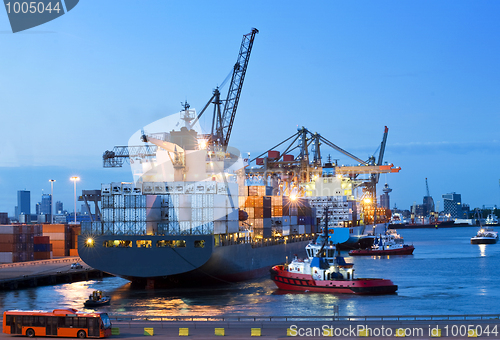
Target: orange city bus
x=59 y=322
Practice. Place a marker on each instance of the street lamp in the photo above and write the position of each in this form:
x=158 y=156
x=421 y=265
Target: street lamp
x=52 y=200
x=75 y=179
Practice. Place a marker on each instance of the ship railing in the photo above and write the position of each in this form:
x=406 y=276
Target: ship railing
x=463 y=317
x=265 y=242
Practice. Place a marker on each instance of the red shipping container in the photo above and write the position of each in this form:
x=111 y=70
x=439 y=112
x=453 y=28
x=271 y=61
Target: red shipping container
x=288 y=158
x=273 y=154
x=259 y=161
x=41 y=240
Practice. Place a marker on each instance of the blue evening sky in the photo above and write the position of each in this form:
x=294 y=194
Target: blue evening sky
x=79 y=85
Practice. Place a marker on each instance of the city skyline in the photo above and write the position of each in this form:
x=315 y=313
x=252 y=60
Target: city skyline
x=79 y=85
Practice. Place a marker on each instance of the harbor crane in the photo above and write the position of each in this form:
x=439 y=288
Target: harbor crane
x=222 y=121
x=304 y=170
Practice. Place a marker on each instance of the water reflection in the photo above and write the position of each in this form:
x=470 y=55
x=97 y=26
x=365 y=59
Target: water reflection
x=427 y=281
x=482 y=249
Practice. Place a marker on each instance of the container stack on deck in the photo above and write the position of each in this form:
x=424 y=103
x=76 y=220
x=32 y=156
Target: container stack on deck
x=341 y=211
x=16 y=242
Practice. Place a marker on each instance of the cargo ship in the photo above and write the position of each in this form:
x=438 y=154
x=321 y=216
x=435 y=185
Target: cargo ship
x=196 y=212
x=195 y=215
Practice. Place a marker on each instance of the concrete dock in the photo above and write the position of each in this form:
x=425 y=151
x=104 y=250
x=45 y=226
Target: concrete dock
x=260 y=328
x=44 y=272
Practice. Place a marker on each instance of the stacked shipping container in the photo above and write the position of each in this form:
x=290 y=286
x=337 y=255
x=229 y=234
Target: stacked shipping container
x=16 y=242
x=60 y=238
x=341 y=211
x=167 y=208
x=41 y=248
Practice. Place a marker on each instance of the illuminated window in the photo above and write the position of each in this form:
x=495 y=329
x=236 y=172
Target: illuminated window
x=117 y=244
x=144 y=243
x=170 y=243
x=199 y=244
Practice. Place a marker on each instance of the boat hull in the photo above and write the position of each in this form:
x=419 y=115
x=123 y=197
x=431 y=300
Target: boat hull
x=302 y=282
x=188 y=266
x=408 y=250
x=97 y=303
x=483 y=240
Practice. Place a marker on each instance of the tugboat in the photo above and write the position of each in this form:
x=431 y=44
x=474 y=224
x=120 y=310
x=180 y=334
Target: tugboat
x=389 y=244
x=97 y=299
x=325 y=272
x=485 y=235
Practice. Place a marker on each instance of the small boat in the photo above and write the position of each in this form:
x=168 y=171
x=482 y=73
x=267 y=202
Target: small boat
x=485 y=235
x=389 y=244
x=324 y=271
x=97 y=299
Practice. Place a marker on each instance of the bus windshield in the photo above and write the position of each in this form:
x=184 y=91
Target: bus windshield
x=105 y=320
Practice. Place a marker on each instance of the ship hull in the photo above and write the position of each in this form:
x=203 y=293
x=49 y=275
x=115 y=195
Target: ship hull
x=407 y=250
x=304 y=283
x=188 y=266
x=442 y=224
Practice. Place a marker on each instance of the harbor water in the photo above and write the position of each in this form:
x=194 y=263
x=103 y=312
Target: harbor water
x=446 y=275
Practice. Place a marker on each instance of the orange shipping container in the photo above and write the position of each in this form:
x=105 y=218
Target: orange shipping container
x=58 y=252
x=73 y=252
x=58 y=245
x=54 y=228
x=56 y=236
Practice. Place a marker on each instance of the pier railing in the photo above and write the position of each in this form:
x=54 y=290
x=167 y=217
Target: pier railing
x=465 y=317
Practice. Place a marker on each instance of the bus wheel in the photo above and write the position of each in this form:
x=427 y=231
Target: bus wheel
x=30 y=333
x=81 y=334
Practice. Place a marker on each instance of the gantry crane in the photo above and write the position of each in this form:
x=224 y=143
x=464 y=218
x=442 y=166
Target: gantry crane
x=222 y=122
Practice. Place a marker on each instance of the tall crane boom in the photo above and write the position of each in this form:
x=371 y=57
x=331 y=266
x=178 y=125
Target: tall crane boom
x=427 y=187
x=226 y=119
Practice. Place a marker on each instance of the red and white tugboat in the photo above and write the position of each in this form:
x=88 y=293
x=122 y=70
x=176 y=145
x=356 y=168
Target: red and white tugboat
x=389 y=244
x=325 y=272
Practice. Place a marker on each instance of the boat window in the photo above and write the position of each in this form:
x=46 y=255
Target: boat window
x=330 y=252
x=143 y=243
x=117 y=243
x=199 y=244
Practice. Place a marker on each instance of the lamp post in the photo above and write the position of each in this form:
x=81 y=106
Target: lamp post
x=75 y=179
x=52 y=200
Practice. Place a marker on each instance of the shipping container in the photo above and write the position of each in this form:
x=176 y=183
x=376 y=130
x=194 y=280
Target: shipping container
x=41 y=240
x=37 y=256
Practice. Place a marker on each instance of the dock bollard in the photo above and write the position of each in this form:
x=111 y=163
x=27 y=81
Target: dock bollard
x=255 y=332
x=149 y=331
x=472 y=333
x=400 y=333
x=183 y=331
x=435 y=333
x=364 y=332
x=327 y=332
x=219 y=331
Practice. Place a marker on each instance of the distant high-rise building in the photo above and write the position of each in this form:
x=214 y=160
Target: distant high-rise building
x=45 y=205
x=59 y=207
x=23 y=203
x=453 y=205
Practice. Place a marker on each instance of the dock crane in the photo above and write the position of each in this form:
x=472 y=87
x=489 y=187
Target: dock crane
x=222 y=122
